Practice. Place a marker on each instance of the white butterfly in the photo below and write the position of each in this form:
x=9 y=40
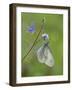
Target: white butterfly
x=44 y=53
x=45 y=56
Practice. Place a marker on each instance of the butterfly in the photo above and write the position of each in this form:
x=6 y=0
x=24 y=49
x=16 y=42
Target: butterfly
x=45 y=56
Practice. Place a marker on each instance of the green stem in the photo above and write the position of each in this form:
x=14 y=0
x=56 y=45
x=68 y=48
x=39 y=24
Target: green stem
x=32 y=46
x=42 y=27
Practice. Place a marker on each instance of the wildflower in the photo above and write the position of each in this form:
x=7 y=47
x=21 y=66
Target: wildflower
x=32 y=28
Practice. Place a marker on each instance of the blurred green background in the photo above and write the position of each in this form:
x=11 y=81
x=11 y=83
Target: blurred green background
x=54 y=27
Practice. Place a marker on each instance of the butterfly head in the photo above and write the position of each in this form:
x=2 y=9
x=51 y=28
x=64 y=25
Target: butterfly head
x=45 y=36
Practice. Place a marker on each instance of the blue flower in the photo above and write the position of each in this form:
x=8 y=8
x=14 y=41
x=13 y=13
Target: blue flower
x=32 y=28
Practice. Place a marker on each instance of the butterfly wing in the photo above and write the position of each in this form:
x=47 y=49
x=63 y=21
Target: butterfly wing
x=40 y=55
x=49 y=58
x=45 y=56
